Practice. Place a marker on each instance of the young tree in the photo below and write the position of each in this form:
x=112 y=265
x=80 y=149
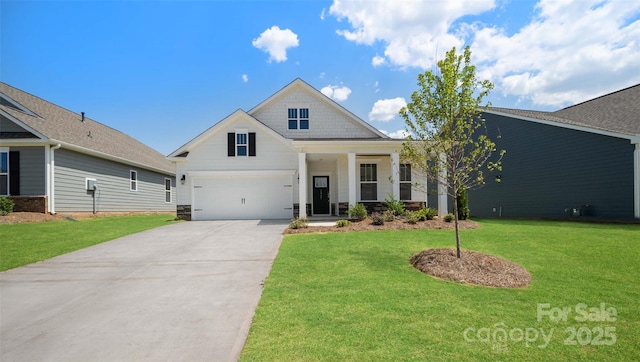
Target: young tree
x=444 y=123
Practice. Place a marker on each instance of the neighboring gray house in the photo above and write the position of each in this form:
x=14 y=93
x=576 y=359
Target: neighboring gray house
x=580 y=161
x=53 y=160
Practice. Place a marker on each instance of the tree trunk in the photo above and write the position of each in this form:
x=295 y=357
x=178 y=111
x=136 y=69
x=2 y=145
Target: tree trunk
x=455 y=218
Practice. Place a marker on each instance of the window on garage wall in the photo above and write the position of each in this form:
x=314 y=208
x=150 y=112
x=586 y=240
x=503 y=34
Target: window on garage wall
x=368 y=182
x=167 y=190
x=133 y=180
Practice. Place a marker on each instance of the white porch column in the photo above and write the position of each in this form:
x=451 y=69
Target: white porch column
x=302 y=184
x=395 y=175
x=443 y=208
x=351 y=164
x=636 y=182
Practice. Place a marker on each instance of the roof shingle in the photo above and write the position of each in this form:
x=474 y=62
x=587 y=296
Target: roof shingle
x=61 y=125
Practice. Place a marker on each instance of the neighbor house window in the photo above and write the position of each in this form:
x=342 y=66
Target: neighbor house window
x=241 y=144
x=4 y=173
x=368 y=181
x=405 y=181
x=298 y=118
x=167 y=190
x=133 y=180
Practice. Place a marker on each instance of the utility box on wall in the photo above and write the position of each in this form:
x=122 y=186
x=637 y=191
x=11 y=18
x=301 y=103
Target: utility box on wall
x=92 y=184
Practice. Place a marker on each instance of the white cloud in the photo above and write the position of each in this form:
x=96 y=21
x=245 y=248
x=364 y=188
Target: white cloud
x=378 y=61
x=276 y=41
x=385 y=110
x=397 y=134
x=245 y=78
x=413 y=31
x=337 y=93
x=568 y=51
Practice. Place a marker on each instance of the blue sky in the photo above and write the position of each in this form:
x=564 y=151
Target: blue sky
x=164 y=71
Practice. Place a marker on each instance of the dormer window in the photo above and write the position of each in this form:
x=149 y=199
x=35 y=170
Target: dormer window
x=298 y=118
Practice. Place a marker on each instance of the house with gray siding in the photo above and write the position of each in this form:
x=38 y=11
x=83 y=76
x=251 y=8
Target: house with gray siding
x=54 y=160
x=582 y=161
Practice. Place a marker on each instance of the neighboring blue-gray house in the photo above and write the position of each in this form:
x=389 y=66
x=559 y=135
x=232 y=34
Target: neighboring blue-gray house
x=54 y=160
x=580 y=161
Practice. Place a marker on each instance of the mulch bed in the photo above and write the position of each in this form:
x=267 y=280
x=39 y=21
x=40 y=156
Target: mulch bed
x=472 y=268
x=399 y=224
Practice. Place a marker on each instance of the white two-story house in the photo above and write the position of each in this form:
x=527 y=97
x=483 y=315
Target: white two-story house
x=298 y=147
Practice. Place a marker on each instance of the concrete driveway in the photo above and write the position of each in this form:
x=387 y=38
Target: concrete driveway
x=182 y=292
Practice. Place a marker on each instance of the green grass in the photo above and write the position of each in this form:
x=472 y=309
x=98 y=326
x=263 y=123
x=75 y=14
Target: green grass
x=26 y=243
x=355 y=297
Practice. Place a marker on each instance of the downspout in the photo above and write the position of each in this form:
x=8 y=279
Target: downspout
x=52 y=198
x=636 y=181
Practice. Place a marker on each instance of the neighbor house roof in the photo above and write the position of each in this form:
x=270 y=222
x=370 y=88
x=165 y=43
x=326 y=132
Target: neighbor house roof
x=58 y=125
x=617 y=113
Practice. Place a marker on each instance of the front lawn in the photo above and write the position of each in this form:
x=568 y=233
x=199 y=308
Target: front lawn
x=355 y=297
x=26 y=243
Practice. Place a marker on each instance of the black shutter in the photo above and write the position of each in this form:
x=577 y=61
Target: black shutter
x=231 y=144
x=252 y=144
x=14 y=173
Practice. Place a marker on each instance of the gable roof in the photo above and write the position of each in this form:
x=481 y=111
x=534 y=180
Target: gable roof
x=55 y=124
x=299 y=83
x=183 y=151
x=616 y=114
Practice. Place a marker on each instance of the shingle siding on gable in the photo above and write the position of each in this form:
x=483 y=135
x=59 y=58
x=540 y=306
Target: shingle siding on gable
x=324 y=121
x=71 y=169
x=549 y=169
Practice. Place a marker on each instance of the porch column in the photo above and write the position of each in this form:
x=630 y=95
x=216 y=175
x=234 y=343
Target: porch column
x=443 y=208
x=351 y=164
x=302 y=184
x=636 y=182
x=395 y=175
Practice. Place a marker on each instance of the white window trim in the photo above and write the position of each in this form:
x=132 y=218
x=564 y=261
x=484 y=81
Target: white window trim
x=6 y=150
x=360 y=182
x=246 y=133
x=407 y=182
x=132 y=181
x=298 y=107
x=169 y=191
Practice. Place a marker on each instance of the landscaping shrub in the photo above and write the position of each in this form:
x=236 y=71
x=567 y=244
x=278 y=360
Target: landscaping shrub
x=413 y=217
x=301 y=223
x=463 y=205
x=6 y=206
x=342 y=223
x=449 y=217
x=358 y=212
x=429 y=213
x=389 y=216
x=393 y=205
x=377 y=219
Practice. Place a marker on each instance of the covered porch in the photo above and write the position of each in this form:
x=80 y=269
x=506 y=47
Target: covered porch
x=333 y=176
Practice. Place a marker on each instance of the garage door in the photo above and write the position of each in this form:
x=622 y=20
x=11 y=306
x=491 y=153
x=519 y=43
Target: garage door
x=246 y=197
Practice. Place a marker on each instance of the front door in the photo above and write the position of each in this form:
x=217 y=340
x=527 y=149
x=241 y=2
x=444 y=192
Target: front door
x=321 y=205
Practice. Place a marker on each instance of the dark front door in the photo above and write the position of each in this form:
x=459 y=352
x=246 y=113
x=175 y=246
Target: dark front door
x=321 y=205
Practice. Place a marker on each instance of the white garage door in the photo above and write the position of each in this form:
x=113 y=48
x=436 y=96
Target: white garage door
x=246 y=197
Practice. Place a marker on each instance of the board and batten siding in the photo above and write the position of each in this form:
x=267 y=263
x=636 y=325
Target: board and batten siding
x=113 y=193
x=32 y=170
x=324 y=121
x=549 y=171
